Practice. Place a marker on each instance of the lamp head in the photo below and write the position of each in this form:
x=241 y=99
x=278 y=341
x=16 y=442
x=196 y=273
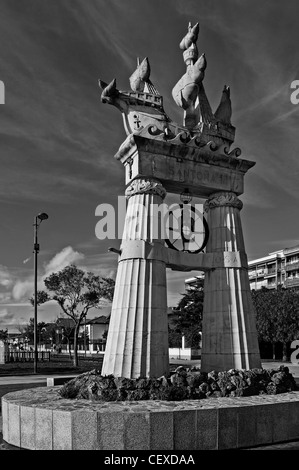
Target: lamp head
x=186 y=196
x=43 y=216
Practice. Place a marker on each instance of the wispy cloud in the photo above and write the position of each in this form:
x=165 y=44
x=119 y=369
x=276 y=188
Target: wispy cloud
x=7 y=317
x=5 y=277
x=283 y=117
x=62 y=259
x=23 y=288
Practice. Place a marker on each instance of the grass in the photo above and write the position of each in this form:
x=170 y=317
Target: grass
x=59 y=364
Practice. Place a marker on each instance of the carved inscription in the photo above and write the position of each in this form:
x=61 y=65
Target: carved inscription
x=180 y=172
x=194 y=176
x=190 y=173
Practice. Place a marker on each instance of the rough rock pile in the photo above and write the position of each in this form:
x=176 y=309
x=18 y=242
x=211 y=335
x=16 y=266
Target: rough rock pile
x=182 y=384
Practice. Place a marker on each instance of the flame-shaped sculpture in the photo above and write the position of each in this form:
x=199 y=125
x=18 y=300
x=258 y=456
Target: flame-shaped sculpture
x=109 y=91
x=191 y=37
x=224 y=111
x=140 y=76
x=186 y=90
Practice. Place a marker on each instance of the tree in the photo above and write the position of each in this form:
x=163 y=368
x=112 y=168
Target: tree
x=174 y=338
x=107 y=287
x=66 y=327
x=46 y=332
x=76 y=292
x=28 y=331
x=105 y=334
x=189 y=321
x=277 y=316
x=4 y=335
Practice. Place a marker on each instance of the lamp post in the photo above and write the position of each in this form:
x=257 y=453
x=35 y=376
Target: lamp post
x=37 y=221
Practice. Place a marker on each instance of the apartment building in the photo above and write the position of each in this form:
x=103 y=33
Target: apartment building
x=277 y=268
x=195 y=282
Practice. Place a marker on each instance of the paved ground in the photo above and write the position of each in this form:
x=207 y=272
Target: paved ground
x=14 y=383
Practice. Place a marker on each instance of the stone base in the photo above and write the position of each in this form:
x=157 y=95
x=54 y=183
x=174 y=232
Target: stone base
x=39 y=419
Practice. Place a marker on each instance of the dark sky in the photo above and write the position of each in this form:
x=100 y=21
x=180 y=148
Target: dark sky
x=58 y=140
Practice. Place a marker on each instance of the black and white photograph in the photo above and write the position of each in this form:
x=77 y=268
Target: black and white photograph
x=149 y=228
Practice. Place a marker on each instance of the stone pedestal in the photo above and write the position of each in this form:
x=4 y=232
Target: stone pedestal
x=229 y=337
x=137 y=342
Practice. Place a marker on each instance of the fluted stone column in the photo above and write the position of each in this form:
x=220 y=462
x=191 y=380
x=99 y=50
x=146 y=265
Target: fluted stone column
x=137 y=342
x=229 y=336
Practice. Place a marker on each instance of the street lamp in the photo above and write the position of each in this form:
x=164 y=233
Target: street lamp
x=186 y=196
x=37 y=221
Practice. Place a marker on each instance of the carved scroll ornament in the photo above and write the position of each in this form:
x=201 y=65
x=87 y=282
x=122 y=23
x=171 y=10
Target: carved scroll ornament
x=223 y=199
x=145 y=186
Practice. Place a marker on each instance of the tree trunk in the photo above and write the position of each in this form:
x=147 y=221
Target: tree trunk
x=273 y=351
x=69 y=345
x=76 y=333
x=284 y=352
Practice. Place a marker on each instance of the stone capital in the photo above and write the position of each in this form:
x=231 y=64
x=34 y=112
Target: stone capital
x=223 y=198
x=145 y=186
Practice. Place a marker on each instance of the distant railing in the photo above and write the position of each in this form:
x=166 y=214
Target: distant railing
x=271 y=272
x=26 y=356
x=292 y=282
x=292 y=266
x=259 y=273
x=97 y=345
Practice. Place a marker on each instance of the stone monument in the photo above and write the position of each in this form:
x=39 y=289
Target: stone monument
x=160 y=156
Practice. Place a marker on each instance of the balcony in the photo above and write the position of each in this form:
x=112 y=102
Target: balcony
x=255 y=274
x=292 y=266
x=251 y=275
x=292 y=282
x=271 y=285
x=265 y=273
x=270 y=273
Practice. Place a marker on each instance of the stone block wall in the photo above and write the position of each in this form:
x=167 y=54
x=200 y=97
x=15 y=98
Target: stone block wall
x=39 y=419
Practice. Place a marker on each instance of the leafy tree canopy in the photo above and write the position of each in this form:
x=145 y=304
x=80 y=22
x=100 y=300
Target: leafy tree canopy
x=189 y=320
x=4 y=335
x=76 y=292
x=277 y=314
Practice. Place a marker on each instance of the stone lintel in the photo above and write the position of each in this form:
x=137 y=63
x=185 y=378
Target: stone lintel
x=181 y=261
x=201 y=169
x=178 y=260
